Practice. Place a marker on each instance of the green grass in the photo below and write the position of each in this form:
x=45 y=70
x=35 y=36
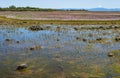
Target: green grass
x=10 y=21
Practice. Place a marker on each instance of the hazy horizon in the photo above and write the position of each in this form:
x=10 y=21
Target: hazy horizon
x=57 y=4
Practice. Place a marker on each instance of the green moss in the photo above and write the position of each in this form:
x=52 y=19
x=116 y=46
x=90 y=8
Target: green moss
x=97 y=75
x=116 y=53
x=115 y=68
x=96 y=72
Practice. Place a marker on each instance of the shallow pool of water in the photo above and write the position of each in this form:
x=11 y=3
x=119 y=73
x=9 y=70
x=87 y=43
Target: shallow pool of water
x=58 y=52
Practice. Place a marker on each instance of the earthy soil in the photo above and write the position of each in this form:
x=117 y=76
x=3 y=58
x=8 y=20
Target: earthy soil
x=61 y=15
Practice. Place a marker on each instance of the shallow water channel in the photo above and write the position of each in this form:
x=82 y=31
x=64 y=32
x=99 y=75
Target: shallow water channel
x=59 y=52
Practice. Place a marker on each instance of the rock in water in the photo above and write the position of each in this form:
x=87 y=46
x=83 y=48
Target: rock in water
x=117 y=38
x=110 y=54
x=35 y=28
x=7 y=39
x=17 y=42
x=21 y=67
x=32 y=48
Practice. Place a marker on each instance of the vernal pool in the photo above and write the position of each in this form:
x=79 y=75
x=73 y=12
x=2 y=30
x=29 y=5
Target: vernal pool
x=60 y=52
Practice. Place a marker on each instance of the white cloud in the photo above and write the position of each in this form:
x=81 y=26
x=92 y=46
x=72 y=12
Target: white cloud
x=100 y=6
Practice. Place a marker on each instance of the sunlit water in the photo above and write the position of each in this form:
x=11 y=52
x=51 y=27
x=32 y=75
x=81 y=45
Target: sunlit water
x=61 y=52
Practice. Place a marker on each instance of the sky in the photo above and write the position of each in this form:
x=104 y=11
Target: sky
x=62 y=3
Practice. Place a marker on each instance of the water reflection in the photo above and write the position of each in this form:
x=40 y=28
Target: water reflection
x=58 y=52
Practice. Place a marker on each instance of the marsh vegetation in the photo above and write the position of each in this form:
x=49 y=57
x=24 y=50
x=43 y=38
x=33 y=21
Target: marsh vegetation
x=59 y=44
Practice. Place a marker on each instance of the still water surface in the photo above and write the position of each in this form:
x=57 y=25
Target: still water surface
x=58 y=52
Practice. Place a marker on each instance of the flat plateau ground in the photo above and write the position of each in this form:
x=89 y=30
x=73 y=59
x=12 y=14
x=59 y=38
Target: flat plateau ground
x=61 y=15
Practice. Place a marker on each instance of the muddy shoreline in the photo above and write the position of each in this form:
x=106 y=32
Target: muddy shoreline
x=18 y=22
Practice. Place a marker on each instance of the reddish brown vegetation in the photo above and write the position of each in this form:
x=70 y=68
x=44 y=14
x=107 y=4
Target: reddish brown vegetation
x=62 y=15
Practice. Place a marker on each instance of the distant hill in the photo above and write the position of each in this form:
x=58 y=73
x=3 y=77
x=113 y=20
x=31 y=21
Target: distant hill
x=92 y=9
x=104 y=9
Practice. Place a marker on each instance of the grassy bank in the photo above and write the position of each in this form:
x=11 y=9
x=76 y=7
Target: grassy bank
x=10 y=21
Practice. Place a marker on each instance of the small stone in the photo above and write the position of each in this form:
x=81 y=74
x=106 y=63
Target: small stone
x=32 y=48
x=21 y=67
x=7 y=39
x=110 y=54
x=58 y=40
x=98 y=39
x=75 y=28
x=84 y=40
x=117 y=38
x=17 y=42
x=36 y=47
x=77 y=38
x=90 y=35
x=35 y=28
x=101 y=27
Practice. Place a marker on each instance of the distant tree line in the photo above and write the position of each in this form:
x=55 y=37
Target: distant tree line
x=14 y=8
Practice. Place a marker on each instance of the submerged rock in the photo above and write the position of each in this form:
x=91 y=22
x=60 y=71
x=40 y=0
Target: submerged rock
x=7 y=39
x=58 y=39
x=58 y=28
x=98 y=39
x=75 y=28
x=32 y=48
x=35 y=28
x=84 y=39
x=21 y=67
x=37 y=47
x=77 y=38
x=90 y=35
x=17 y=41
x=117 y=38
